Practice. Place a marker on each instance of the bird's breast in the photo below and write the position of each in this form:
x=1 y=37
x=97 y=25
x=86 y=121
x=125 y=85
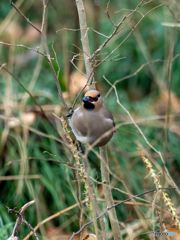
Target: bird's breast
x=88 y=127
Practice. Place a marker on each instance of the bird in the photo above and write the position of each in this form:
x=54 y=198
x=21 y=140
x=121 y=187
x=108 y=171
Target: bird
x=92 y=122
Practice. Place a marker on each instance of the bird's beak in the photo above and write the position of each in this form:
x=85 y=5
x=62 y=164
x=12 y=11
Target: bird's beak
x=86 y=99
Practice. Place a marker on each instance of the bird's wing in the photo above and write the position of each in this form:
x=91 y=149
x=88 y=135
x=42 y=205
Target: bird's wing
x=78 y=122
x=107 y=115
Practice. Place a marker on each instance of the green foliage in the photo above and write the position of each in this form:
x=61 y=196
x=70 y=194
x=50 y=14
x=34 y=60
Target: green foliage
x=4 y=229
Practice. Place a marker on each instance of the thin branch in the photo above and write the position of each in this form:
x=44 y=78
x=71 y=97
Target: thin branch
x=35 y=130
x=108 y=194
x=108 y=39
x=117 y=204
x=21 y=45
x=138 y=70
x=52 y=217
x=140 y=131
x=18 y=177
x=107 y=13
x=91 y=76
x=69 y=29
x=72 y=61
x=132 y=75
x=44 y=15
x=20 y=219
x=116 y=28
x=47 y=51
x=43 y=113
x=56 y=61
x=32 y=229
x=126 y=36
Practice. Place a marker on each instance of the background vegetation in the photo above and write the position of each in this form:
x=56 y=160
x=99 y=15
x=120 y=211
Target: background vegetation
x=148 y=89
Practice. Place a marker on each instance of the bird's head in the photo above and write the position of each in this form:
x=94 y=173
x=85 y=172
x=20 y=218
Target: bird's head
x=92 y=100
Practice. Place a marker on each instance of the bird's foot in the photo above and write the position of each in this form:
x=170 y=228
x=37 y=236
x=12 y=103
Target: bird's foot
x=81 y=152
x=70 y=112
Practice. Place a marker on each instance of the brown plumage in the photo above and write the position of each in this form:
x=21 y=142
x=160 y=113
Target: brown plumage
x=93 y=119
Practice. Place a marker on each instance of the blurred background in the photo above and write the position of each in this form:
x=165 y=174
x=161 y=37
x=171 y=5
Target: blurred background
x=146 y=75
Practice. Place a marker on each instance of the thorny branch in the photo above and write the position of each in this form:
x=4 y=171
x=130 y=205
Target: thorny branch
x=20 y=219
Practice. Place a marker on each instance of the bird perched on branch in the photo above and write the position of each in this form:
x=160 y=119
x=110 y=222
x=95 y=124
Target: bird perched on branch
x=92 y=123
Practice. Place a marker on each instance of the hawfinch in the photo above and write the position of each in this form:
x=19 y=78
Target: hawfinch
x=92 y=120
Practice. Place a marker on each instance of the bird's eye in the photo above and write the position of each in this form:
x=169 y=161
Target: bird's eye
x=95 y=99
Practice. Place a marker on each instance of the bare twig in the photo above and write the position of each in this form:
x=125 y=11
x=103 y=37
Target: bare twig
x=52 y=217
x=56 y=61
x=20 y=219
x=108 y=39
x=116 y=27
x=140 y=131
x=32 y=229
x=107 y=12
x=46 y=48
x=72 y=61
x=108 y=195
x=44 y=15
x=138 y=70
x=17 y=177
x=91 y=76
x=34 y=130
x=132 y=75
x=43 y=113
x=21 y=45
x=116 y=30
x=8 y=18
x=69 y=29
x=117 y=204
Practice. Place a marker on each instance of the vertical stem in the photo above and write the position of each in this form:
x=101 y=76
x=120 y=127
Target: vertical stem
x=108 y=195
x=91 y=84
x=95 y=206
x=91 y=193
x=66 y=60
x=85 y=42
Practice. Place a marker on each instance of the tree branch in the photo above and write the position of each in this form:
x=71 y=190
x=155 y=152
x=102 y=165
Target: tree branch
x=117 y=204
x=34 y=100
x=20 y=219
x=108 y=194
x=46 y=48
x=91 y=84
